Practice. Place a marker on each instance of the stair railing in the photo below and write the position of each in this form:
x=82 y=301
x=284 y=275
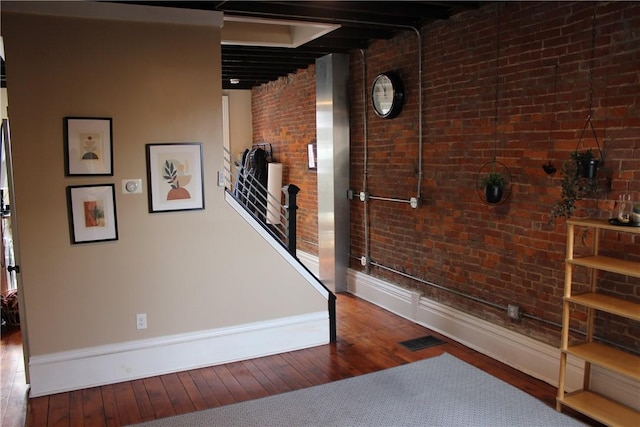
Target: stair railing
x=264 y=206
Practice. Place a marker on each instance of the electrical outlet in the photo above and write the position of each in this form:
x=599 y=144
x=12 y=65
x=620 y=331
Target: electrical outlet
x=141 y=321
x=513 y=311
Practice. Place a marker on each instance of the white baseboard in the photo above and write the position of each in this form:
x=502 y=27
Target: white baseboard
x=532 y=357
x=89 y=367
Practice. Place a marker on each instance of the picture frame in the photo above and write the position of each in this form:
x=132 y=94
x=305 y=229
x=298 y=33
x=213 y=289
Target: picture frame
x=88 y=146
x=175 y=176
x=92 y=213
x=312 y=156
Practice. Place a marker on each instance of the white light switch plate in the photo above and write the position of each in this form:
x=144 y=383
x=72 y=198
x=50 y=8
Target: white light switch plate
x=131 y=186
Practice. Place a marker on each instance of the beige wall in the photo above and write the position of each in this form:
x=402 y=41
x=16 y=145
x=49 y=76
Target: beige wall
x=3 y=103
x=240 y=121
x=188 y=271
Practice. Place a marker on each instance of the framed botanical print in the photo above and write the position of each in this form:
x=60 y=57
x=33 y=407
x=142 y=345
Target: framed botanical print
x=174 y=176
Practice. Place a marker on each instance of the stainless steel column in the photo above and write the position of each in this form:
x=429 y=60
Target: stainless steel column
x=332 y=127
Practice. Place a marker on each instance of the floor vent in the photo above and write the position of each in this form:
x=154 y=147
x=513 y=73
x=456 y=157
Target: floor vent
x=420 y=343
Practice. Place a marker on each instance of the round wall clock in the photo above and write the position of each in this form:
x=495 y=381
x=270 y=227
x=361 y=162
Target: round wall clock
x=387 y=95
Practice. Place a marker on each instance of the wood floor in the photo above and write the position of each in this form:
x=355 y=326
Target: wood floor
x=367 y=341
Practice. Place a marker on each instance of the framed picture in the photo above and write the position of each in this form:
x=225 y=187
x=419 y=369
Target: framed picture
x=312 y=156
x=88 y=146
x=174 y=176
x=92 y=213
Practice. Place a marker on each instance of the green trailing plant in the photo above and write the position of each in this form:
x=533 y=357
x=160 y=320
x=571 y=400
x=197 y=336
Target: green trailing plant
x=575 y=186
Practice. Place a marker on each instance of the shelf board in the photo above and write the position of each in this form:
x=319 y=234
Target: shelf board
x=603 y=224
x=606 y=263
x=601 y=409
x=613 y=305
x=608 y=357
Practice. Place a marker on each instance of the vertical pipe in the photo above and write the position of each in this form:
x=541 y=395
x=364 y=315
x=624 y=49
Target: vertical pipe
x=420 y=142
x=365 y=160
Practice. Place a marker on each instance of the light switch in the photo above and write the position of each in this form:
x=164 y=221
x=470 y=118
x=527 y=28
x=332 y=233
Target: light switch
x=131 y=186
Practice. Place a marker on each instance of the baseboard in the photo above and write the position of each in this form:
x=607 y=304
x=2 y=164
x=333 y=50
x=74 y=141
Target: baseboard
x=309 y=261
x=533 y=357
x=89 y=367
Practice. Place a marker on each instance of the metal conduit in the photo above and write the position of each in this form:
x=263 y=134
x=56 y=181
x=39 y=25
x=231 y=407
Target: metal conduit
x=414 y=202
x=496 y=306
x=366 y=156
x=389 y=199
x=435 y=285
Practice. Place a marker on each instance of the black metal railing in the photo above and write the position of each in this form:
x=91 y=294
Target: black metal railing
x=250 y=190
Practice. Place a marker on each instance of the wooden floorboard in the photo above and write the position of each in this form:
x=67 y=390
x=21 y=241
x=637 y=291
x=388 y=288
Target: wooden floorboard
x=368 y=338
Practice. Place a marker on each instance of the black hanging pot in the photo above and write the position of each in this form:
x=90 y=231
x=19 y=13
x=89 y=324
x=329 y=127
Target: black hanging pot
x=493 y=193
x=587 y=164
x=589 y=168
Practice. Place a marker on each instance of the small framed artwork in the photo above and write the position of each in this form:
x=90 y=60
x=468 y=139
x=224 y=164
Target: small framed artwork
x=88 y=146
x=312 y=156
x=92 y=213
x=175 y=177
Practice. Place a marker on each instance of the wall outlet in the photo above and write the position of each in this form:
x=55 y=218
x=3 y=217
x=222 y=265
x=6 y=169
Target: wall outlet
x=141 y=321
x=513 y=311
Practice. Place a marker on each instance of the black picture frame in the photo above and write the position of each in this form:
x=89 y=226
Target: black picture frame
x=175 y=177
x=92 y=213
x=88 y=146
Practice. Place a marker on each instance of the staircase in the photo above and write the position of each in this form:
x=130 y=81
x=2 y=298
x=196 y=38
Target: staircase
x=246 y=192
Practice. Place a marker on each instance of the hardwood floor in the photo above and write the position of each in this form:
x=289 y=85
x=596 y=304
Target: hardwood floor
x=368 y=338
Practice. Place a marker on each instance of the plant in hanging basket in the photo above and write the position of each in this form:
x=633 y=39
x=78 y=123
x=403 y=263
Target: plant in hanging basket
x=586 y=163
x=493 y=184
x=575 y=186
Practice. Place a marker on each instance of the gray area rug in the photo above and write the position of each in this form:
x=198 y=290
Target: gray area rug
x=440 y=391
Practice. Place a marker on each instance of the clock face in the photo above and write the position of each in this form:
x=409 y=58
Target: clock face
x=383 y=95
x=387 y=95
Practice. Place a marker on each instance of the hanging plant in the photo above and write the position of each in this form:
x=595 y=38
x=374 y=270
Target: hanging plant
x=493 y=184
x=586 y=163
x=579 y=172
x=575 y=187
x=494 y=187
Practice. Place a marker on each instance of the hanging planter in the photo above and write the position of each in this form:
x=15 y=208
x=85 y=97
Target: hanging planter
x=493 y=183
x=586 y=161
x=493 y=187
x=579 y=179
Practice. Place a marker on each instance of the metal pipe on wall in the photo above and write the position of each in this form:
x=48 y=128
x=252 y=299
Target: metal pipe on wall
x=365 y=197
x=416 y=201
x=365 y=160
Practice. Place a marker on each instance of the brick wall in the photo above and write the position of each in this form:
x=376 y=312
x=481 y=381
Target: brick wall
x=284 y=115
x=501 y=254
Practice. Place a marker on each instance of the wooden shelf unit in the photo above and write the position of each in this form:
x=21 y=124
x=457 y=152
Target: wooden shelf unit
x=596 y=406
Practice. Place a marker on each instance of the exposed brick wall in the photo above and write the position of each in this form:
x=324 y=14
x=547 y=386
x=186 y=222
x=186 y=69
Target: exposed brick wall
x=284 y=115
x=501 y=254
